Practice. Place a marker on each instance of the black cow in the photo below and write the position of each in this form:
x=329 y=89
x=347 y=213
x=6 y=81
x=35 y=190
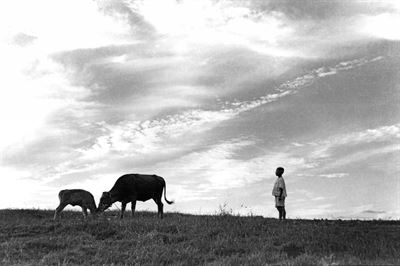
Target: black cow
x=133 y=187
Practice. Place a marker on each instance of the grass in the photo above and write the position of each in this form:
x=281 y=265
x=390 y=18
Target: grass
x=30 y=237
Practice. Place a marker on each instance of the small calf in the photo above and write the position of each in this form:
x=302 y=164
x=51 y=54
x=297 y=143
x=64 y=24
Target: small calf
x=74 y=197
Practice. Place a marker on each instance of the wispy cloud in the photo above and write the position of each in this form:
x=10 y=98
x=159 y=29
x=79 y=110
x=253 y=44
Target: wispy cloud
x=330 y=175
x=334 y=175
x=160 y=138
x=150 y=135
x=321 y=72
x=224 y=166
x=23 y=39
x=328 y=147
x=64 y=33
x=368 y=211
x=328 y=155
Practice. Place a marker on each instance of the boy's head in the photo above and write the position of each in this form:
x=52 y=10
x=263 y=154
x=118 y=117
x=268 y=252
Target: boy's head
x=279 y=171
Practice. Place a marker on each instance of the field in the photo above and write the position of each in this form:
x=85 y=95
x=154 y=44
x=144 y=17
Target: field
x=30 y=237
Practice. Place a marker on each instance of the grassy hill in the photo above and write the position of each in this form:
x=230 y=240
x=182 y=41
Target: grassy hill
x=30 y=237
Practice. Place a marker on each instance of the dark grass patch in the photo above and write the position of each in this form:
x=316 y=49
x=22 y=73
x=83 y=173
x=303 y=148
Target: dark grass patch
x=30 y=237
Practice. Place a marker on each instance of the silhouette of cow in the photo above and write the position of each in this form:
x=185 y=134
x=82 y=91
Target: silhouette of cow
x=76 y=197
x=134 y=187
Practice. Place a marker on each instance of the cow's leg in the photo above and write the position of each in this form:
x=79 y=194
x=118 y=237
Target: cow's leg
x=133 y=207
x=123 y=206
x=58 y=210
x=85 y=214
x=160 y=207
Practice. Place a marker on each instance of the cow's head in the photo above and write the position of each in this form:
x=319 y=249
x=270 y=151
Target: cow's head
x=105 y=202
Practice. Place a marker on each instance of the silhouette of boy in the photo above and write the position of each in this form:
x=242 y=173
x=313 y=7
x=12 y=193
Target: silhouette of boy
x=279 y=192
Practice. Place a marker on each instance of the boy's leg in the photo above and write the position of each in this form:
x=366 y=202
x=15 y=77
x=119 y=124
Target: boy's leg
x=282 y=207
x=280 y=212
x=277 y=206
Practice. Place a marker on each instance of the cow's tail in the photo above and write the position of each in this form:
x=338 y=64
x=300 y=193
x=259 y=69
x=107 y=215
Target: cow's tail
x=165 y=194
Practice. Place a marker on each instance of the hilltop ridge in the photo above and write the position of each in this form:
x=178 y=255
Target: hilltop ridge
x=31 y=237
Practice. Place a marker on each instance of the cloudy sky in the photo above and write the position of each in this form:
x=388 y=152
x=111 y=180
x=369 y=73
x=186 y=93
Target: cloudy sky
x=212 y=95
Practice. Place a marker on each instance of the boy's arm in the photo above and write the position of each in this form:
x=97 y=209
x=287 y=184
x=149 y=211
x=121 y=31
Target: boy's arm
x=280 y=193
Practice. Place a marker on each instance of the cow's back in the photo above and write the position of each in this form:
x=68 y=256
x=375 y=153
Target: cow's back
x=143 y=186
x=149 y=182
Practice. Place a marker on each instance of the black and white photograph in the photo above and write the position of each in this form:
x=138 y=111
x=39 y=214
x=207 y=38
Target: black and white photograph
x=200 y=132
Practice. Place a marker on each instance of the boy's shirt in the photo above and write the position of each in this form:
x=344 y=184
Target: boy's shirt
x=279 y=183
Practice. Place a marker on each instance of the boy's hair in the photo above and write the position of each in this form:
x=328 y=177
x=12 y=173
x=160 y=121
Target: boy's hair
x=281 y=169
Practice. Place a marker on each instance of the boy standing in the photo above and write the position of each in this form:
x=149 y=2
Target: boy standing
x=279 y=192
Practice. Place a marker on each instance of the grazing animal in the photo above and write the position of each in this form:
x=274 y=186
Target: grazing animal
x=75 y=197
x=133 y=187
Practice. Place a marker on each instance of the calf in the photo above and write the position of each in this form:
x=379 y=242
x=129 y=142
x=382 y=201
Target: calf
x=74 y=197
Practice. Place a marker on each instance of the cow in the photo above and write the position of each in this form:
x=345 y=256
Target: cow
x=134 y=187
x=74 y=197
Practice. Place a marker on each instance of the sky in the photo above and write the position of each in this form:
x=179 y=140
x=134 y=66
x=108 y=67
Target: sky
x=212 y=95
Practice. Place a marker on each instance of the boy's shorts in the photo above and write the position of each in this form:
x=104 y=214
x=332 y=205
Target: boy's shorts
x=279 y=202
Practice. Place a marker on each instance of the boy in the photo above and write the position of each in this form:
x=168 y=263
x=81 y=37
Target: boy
x=279 y=192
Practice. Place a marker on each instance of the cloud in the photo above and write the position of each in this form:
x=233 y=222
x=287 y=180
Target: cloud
x=135 y=79
x=311 y=76
x=164 y=134
x=322 y=10
x=158 y=138
x=373 y=212
x=381 y=26
x=385 y=133
x=24 y=110
x=332 y=154
x=200 y=171
x=138 y=76
x=121 y=10
x=330 y=175
x=54 y=29
x=333 y=29
x=145 y=137
x=36 y=89
x=363 y=156
x=159 y=134
x=23 y=39
x=369 y=211
x=226 y=165
x=279 y=28
x=334 y=175
x=207 y=23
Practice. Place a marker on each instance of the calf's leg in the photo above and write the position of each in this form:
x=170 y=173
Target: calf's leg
x=85 y=214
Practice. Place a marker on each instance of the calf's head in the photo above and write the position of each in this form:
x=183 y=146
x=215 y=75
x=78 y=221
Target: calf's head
x=105 y=202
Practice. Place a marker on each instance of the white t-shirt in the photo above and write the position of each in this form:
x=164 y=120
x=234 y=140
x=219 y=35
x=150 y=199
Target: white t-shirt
x=279 y=183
